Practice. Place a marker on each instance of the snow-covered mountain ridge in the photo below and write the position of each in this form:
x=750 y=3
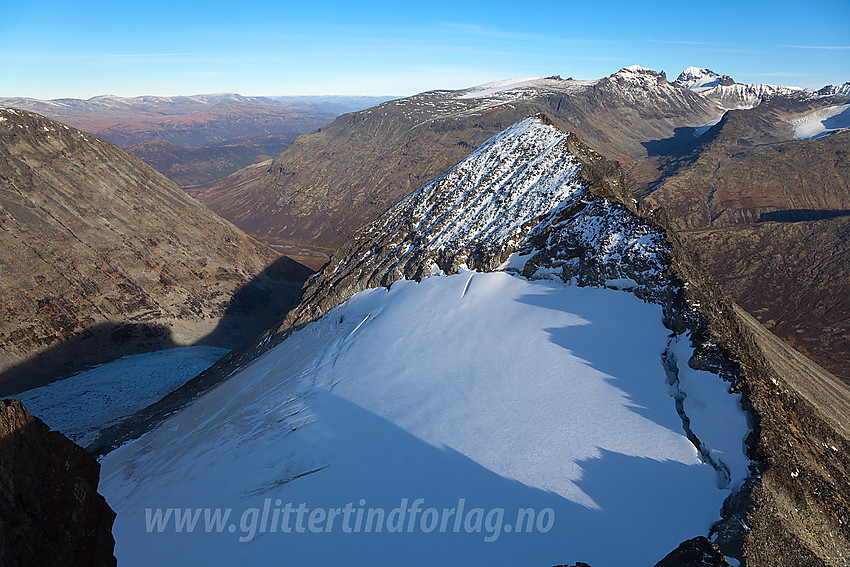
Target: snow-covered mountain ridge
x=518 y=183
x=486 y=385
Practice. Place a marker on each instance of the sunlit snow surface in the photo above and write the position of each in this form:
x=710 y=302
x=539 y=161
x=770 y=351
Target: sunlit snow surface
x=81 y=405
x=505 y=392
x=489 y=89
x=822 y=122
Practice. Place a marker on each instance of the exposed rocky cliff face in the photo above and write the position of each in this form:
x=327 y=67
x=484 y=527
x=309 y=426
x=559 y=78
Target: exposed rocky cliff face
x=102 y=256
x=50 y=511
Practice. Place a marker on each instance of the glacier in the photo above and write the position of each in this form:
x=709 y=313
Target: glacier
x=505 y=392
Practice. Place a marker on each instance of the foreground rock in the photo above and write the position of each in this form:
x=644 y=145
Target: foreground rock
x=697 y=552
x=50 y=511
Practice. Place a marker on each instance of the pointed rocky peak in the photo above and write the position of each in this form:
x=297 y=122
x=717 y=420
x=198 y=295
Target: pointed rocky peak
x=531 y=187
x=636 y=85
x=700 y=79
x=487 y=201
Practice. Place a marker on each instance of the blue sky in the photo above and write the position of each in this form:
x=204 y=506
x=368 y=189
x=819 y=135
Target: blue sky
x=82 y=49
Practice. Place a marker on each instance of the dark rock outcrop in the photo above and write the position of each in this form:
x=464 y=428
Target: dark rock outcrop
x=50 y=511
x=696 y=552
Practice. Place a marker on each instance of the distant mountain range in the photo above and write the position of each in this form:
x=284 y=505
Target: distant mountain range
x=201 y=138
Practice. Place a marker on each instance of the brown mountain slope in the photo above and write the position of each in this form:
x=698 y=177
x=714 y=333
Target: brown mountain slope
x=190 y=167
x=770 y=217
x=333 y=181
x=102 y=256
x=794 y=277
x=749 y=165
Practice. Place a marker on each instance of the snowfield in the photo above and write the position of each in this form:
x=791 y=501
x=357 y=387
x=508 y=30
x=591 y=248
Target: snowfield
x=822 y=122
x=81 y=405
x=489 y=89
x=481 y=391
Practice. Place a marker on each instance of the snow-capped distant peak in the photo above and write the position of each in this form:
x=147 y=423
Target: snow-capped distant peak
x=636 y=73
x=700 y=79
x=724 y=91
x=843 y=89
x=638 y=69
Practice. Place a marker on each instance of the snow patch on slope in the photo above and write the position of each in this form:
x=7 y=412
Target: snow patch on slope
x=82 y=404
x=495 y=87
x=822 y=122
x=496 y=196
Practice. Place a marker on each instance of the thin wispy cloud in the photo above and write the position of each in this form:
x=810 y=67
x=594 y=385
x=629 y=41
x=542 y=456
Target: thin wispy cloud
x=777 y=74
x=828 y=47
x=677 y=42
